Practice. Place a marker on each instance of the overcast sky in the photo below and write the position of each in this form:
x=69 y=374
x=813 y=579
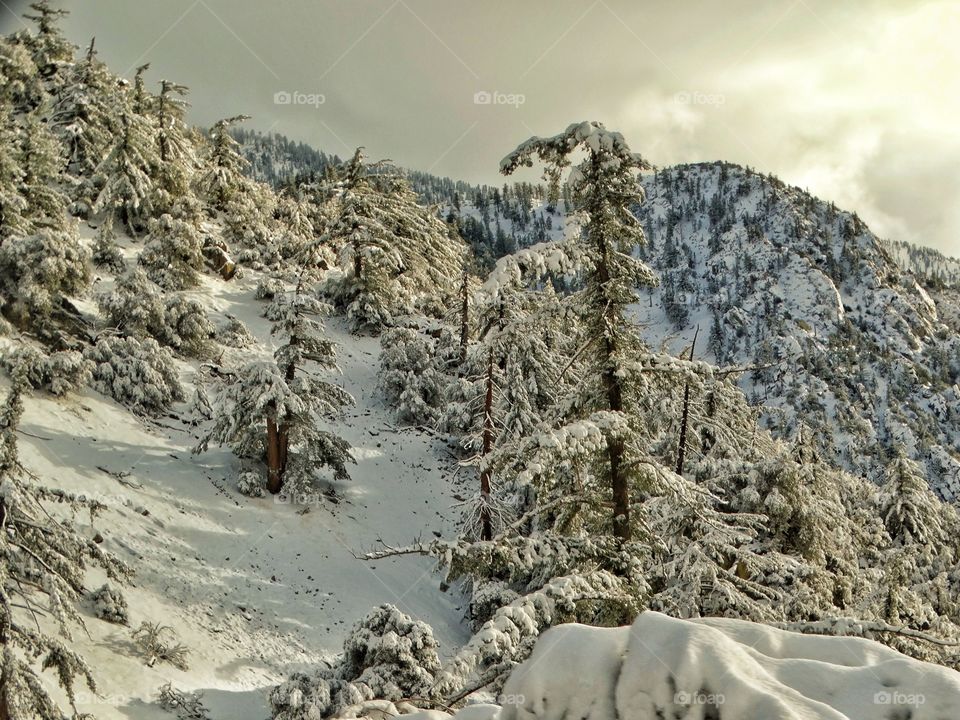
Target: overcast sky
x=856 y=101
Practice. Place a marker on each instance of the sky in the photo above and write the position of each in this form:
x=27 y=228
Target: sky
x=855 y=101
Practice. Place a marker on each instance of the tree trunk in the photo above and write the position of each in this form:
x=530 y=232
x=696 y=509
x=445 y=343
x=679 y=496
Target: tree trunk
x=283 y=430
x=274 y=470
x=357 y=258
x=618 y=479
x=4 y=629
x=682 y=443
x=464 y=317
x=486 y=530
x=4 y=710
x=619 y=482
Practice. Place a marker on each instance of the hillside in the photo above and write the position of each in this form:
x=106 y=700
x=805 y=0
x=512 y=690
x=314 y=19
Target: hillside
x=847 y=332
x=842 y=339
x=361 y=442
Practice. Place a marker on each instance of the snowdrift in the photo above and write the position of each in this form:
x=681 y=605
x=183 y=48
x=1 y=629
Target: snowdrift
x=720 y=669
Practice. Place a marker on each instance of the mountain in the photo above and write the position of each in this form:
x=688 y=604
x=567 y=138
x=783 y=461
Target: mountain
x=838 y=337
x=278 y=422
x=854 y=337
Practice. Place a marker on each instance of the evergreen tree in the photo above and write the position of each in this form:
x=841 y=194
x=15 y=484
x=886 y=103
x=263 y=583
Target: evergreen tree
x=128 y=191
x=604 y=190
x=20 y=83
x=12 y=202
x=271 y=411
x=49 y=48
x=41 y=161
x=221 y=178
x=394 y=255
x=37 y=271
x=172 y=255
x=42 y=564
x=910 y=510
x=177 y=159
x=84 y=116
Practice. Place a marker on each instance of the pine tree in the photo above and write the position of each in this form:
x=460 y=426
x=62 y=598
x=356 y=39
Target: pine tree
x=128 y=191
x=177 y=159
x=22 y=86
x=84 y=116
x=221 y=177
x=41 y=161
x=172 y=255
x=49 y=47
x=394 y=255
x=37 y=271
x=12 y=202
x=270 y=412
x=42 y=561
x=910 y=510
x=604 y=190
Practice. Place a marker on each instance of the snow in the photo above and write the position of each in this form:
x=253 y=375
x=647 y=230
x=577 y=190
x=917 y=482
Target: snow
x=717 y=668
x=255 y=589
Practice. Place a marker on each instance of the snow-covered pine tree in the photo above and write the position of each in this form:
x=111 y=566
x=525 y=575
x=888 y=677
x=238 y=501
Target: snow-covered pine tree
x=49 y=48
x=172 y=255
x=37 y=271
x=411 y=375
x=221 y=175
x=506 y=384
x=21 y=85
x=271 y=410
x=910 y=510
x=134 y=308
x=42 y=259
x=12 y=202
x=177 y=157
x=394 y=255
x=42 y=567
x=139 y=97
x=105 y=252
x=138 y=373
x=605 y=190
x=84 y=118
x=41 y=161
x=387 y=656
x=127 y=193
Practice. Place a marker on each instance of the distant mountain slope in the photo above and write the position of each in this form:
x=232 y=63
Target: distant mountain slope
x=841 y=338
x=933 y=267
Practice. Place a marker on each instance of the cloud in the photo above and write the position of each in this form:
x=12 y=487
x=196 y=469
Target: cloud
x=855 y=101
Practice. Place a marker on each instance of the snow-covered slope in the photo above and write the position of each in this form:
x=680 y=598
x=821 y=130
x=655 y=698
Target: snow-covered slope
x=255 y=589
x=841 y=338
x=845 y=337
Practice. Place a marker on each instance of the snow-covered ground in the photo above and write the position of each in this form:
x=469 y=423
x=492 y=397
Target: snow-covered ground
x=255 y=588
x=661 y=667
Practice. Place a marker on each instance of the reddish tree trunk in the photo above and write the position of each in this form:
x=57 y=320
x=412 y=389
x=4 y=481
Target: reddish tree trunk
x=283 y=431
x=682 y=444
x=486 y=530
x=274 y=470
x=464 y=317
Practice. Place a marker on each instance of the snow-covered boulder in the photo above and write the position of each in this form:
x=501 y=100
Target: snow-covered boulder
x=661 y=667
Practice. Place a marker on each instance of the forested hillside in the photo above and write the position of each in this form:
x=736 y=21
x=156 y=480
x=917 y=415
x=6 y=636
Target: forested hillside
x=247 y=426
